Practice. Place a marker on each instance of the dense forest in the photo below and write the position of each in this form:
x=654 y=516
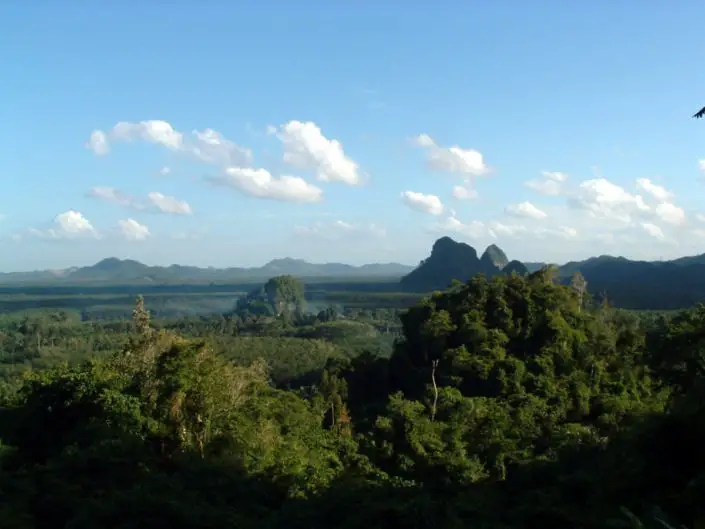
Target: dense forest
x=505 y=402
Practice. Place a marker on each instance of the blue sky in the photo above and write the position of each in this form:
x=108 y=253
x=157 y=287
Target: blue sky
x=357 y=134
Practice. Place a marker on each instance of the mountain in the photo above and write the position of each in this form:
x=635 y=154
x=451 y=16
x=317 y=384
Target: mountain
x=495 y=256
x=642 y=284
x=568 y=269
x=657 y=285
x=451 y=260
x=114 y=270
x=516 y=267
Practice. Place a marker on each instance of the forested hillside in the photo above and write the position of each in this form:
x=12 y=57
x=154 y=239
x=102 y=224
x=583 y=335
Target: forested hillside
x=512 y=402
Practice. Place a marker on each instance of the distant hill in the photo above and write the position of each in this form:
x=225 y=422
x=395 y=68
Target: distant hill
x=451 y=260
x=657 y=285
x=568 y=269
x=495 y=256
x=517 y=267
x=113 y=270
x=642 y=284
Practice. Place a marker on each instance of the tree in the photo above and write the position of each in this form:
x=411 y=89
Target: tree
x=141 y=317
x=579 y=286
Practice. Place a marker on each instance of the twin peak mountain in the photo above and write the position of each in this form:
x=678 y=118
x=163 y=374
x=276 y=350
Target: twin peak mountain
x=456 y=260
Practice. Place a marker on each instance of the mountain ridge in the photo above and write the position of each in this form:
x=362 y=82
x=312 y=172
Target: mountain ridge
x=614 y=275
x=113 y=269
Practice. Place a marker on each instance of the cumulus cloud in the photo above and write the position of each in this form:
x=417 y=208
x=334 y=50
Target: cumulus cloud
x=430 y=204
x=208 y=145
x=604 y=199
x=132 y=230
x=464 y=192
x=68 y=225
x=525 y=210
x=167 y=204
x=211 y=147
x=98 y=143
x=658 y=192
x=305 y=147
x=472 y=230
x=478 y=230
x=670 y=214
x=545 y=187
x=654 y=231
x=156 y=202
x=598 y=215
x=260 y=183
x=453 y=159
x=340 y=230
x=114 y=196
x=555 y=176
x=551 y=183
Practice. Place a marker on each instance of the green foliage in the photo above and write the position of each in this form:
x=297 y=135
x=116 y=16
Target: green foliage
x=280 y=296
x=509 y=402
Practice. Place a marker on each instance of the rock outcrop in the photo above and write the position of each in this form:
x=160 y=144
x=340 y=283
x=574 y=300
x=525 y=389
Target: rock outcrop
x=451 y=260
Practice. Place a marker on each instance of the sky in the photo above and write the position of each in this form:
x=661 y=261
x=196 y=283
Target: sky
x=231 y=133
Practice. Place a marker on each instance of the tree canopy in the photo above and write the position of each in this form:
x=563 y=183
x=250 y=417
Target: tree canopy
x=507 y=402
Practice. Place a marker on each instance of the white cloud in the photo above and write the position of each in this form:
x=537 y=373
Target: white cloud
x=603 y=199
x=500 y=230
x=98 y=143
x=425 y=203
x=526 y=210
x=550 y=184
x=660 y=193
x=164 y=171
x=153 y=131
x=472 y=230
x=306 y=147
x=701 y=165
x=653 y=230
x=549 y=188
x=555 y=176
x=132 y=230
x=167 y=204
x=114 y=196
x=464 y=192
x=156 y=202
x=260 y=183
x=454 y=159
x=72 y=222
x=208 y=145
x=68 y=225
x=700 y=217
x=340 y=230
x=670 y=214
x=211 y=147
